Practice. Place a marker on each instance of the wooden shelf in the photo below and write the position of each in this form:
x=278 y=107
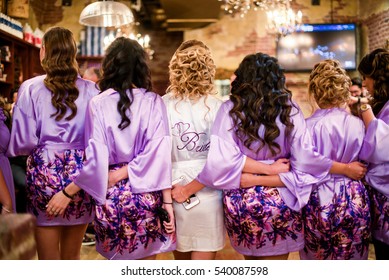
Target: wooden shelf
x=24 y=63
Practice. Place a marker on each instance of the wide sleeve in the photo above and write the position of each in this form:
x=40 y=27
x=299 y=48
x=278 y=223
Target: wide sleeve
x=225 y=160
x=150 y=170
x=374 y=148
x=24 y=132
x=308 y=167
x=93 y=177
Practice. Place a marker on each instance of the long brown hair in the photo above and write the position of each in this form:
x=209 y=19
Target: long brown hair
x=376 y=66
x=259 y=97
x=61 y=68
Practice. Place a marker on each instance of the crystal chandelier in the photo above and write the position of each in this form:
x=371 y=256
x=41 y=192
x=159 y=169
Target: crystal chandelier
x=128 y=32
x=281 y=18
x=241 y=7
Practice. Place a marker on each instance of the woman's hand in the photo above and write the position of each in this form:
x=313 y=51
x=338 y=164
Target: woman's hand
x=117 y=175
x=57 y=204
x=279 y=166
x=356 y=170
x=170 y=226
x=178 y=193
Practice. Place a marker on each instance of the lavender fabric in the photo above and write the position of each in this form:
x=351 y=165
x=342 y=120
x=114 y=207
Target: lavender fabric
x=376 y=153
x=145 y=144
x=4 y=162
x=339 y=207
x=227 y=155
x=34 y=128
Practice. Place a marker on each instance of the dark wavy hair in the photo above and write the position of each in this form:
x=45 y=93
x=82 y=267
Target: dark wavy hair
x=259 y=96
x=61 y=67
x=375 y=65
x=125 y=67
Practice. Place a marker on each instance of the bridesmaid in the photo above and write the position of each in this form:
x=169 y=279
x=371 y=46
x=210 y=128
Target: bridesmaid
x=7 y=190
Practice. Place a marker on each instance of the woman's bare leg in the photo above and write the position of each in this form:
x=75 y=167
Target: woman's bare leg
x=182 y=255
x=71 y=241
x=203 y=255
x=47 y=242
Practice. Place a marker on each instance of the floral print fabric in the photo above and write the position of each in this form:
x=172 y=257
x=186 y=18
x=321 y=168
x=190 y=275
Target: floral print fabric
x=127 y=226
x=47 y=177
x=337 y=227
x=259 y=223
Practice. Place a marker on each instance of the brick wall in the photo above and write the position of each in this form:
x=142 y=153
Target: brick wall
x=377 y=30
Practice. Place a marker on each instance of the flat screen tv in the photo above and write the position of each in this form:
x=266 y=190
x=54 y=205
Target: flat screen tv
x=312 y=43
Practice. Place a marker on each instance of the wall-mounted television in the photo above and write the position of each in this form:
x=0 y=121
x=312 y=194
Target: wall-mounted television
x=312 y=43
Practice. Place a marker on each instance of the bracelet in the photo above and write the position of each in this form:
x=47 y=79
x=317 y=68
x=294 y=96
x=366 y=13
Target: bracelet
x=67 y=195
x=167 y=202
x=5 y=209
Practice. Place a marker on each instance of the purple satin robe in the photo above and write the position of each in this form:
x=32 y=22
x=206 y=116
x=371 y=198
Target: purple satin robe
x=337 y=216
x=145 y=144
x=55 y=149
x=126 y=223
x=4 y=162
x=375 y=152
x=257 y=219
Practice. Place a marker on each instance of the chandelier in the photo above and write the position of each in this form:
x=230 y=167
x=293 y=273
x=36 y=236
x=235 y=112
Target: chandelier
x=128 y=32
x=281 y=19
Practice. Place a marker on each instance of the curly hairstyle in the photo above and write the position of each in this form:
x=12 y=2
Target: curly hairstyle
x=60 y=64
x=192 y=71
x=259 y=97
x=125 y=67
x=375 y=65
x=328 y=84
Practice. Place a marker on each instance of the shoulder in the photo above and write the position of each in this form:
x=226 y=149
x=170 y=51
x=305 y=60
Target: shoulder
x=214 y=101
x=87 y=86
x=33 y=83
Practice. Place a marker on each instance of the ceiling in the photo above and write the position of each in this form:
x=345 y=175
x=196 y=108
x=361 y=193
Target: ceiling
x=177 y=15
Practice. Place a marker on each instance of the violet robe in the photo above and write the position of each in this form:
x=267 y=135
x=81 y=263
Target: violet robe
x=337 y=216
x=55 y=149
x=223 y=169
x=4 y=162
x=145 y=147
x=375 y=152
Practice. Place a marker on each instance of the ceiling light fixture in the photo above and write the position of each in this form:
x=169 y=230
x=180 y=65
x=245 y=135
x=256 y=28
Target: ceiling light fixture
x=282 y=20
x=106 y=14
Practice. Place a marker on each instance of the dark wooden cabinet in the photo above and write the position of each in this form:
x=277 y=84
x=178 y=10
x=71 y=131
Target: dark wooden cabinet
x=22 y=63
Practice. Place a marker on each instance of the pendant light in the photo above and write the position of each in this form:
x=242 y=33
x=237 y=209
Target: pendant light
x=106 y=14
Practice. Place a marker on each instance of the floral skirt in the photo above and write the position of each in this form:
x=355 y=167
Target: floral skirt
x=47 y=175
x=337 y=223
x=380 y=215
x=259 y=223
x=127 y=226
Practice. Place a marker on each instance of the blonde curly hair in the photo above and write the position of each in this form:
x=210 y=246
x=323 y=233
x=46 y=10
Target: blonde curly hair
x=328 y=85
x=192 y=71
